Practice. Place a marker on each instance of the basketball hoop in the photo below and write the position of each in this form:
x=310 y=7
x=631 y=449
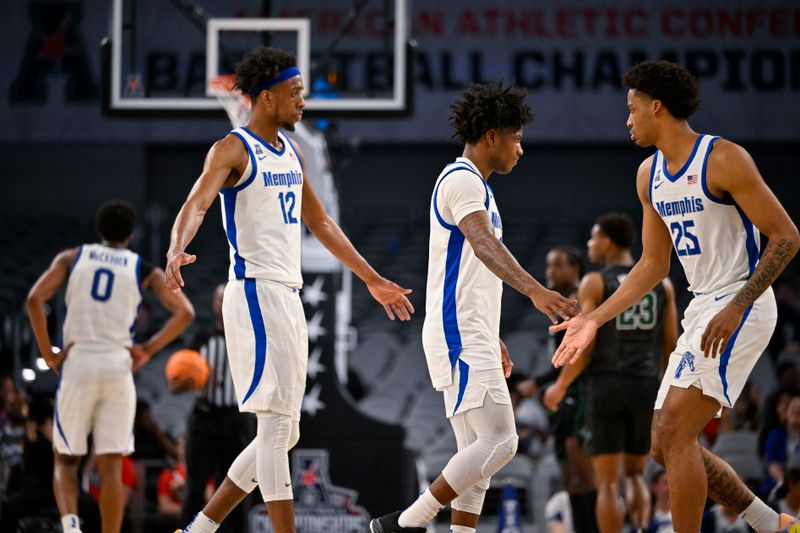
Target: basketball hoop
x=236 y=104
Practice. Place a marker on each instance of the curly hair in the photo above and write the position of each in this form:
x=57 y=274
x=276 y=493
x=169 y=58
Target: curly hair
x=260 y=65
x=618 y=227
x=115 y=220
x=675 y=86
x=488 y=106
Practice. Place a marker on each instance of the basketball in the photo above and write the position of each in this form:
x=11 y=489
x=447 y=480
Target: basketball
x=187 y=366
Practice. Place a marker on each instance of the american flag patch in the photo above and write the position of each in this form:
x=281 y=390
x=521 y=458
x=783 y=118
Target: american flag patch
x=692 y=179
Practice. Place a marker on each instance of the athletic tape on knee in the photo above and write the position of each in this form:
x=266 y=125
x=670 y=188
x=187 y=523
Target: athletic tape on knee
x=500 y=455
x=272 y=456
x=243 y=469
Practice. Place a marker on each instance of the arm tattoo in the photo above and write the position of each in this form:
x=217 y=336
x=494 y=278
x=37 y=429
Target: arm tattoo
x=724 y=486
x=774 y=259
x=494 y=254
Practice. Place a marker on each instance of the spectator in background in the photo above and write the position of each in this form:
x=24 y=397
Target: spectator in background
x=775 y=405
x=661 y=519
x=172 y=487
x=786 y=338
x=8 y=391
x=719 y=519
x=787 y=496
x=34 y=495
x=12 y=437
x=783 y=444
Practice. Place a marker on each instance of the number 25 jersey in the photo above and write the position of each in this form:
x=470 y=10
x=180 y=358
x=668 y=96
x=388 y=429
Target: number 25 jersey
x=716 y=243
x=261 y=214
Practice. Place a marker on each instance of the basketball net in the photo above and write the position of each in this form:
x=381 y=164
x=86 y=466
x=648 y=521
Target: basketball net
x=236 y=104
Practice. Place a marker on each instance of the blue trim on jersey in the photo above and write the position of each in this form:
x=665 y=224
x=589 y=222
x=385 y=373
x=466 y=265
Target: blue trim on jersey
x=750 y=242
x=466 y=167
x=463 y=379
x=452 y=335
x=653 y=166
x=706 y=191
x=267 y=145
x=55 y=411
x=296 y=153
x=253 y=166
x=685 y=166
x=139 y=273
x=75 y=261
x=489 y=194
x=726 y=355
x=229 y=199
x=260 y=332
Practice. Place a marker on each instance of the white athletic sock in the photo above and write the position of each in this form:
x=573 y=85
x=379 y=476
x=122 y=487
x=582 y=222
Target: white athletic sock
x=462 y=529
x=201 y=524
x=70 y=523
x=421 y=512
x=761 y=517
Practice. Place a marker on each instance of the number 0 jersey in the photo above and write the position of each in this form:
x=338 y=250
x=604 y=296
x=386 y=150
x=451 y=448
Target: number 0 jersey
x=261 y=213
x=715 y=241
x=103 y=294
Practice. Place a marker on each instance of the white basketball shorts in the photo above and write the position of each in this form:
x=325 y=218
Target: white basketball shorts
x=96 y=395
x=724 y=376
x=267 y=340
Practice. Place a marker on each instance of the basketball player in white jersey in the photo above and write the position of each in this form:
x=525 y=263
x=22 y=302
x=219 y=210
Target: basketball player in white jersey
x=96 y=393
x=467 y=266
x=259 y=174
x=704 y=197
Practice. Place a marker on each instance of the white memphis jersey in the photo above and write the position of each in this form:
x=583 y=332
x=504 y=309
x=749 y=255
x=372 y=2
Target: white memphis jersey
x=462 y=315
x=103 y=294
x=716 y=243
x=261 y=213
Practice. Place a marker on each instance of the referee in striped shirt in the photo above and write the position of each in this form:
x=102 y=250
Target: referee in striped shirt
x=217 y=432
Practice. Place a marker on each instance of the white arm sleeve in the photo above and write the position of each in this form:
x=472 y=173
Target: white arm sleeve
x=460 y=194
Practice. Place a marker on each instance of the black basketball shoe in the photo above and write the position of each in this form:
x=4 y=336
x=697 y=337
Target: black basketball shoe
x=388 y=524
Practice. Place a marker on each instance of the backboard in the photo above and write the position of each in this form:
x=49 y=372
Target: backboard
x=160 y=54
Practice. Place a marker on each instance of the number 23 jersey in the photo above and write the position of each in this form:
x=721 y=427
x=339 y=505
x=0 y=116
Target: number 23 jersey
x=716 y=243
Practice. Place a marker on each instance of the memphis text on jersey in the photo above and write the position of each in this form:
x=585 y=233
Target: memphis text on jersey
x=282 y=179
x=680 y=207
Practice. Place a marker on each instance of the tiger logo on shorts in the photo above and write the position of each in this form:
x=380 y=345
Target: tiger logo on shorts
x=687 y=359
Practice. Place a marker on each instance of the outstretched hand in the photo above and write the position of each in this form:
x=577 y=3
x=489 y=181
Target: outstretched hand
x=175 y=260
x=579 y=334
x=392 y=297
x=553 y=305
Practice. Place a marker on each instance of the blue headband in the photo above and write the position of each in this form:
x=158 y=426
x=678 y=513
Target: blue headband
x=283 y=75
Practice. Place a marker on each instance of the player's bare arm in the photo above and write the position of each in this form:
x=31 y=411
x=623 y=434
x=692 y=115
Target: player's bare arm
x=590 y=294
x=224 y=165
x=477 y=229
x=42 y=291
x=648 y=271
x=670 y=333
x=180 y=309
x=732 y=173
x=390 y=295
x=505 y=360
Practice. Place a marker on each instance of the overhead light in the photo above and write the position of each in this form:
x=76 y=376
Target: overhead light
x=28 y=374
x=56 y=350
x=41 y=364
